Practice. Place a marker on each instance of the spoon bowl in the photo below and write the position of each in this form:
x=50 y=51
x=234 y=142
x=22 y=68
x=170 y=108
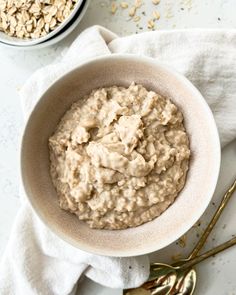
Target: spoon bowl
x=186 y=282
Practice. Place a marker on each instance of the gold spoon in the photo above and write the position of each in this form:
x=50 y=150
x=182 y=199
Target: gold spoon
x=182 y=275
x=172 y=272
x=159 y=272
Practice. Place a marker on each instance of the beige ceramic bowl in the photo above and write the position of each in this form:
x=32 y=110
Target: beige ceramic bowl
x=201 y=179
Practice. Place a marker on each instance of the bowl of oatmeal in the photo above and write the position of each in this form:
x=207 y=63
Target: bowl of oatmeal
x=120 y=156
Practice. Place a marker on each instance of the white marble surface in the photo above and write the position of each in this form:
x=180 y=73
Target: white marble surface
x=17 y=66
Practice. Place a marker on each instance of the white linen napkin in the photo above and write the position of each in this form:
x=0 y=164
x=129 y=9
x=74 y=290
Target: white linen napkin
x=38 y=262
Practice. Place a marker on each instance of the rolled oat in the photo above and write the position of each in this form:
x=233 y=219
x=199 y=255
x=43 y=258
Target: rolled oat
x=33 y=19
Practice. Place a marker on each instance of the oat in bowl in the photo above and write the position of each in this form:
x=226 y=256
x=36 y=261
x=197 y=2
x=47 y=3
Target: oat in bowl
x=28 y=22
x=119 y=158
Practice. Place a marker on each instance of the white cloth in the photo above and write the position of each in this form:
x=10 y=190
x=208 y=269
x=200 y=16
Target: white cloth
x=38 y=262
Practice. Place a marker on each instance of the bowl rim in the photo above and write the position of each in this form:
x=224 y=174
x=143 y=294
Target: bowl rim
x=31 y=42
x=198 y=213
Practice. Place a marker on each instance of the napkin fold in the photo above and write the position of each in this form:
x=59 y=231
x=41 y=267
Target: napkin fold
x=38 y=262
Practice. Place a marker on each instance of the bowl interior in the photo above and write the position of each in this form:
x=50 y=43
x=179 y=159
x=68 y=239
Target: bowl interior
x=29 y=42
x=201 y=179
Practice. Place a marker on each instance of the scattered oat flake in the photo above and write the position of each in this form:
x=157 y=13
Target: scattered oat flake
x=113 y=8
x=132 y=11
x=187 y=3
x=138 y=3
x=137 y=18
x=155 y=2
x=182 y=241
x=124 y=5
x=151 y=24
x=156 y=15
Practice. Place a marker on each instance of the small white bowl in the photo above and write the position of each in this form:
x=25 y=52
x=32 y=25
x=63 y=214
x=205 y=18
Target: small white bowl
x=61 y=35
x=4 y=38
x=204 y=164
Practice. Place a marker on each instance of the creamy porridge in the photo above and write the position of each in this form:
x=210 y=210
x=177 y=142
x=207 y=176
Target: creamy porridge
x=120 y=158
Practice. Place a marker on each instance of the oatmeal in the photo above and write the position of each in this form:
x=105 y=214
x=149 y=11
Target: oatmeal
x=119 y=157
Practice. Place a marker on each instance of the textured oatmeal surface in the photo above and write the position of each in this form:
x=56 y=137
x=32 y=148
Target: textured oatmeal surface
x=119 y=157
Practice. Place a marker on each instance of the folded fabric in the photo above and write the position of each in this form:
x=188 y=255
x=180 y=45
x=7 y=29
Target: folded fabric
x=38 y=262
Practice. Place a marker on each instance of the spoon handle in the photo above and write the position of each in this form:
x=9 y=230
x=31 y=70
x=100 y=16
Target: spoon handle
x=209 y=253
x=213 y=221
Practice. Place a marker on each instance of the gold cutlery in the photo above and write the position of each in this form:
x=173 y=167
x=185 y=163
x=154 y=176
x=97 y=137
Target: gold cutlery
x=180 y=277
